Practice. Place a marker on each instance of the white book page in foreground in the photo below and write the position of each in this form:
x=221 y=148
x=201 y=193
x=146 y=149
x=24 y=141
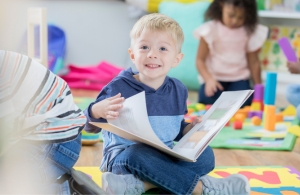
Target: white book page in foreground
x=133 y=117
x=127 y=135
x=196 y=140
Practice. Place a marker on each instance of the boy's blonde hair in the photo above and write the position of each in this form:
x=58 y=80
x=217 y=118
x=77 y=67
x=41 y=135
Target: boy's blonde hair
x=158 y=22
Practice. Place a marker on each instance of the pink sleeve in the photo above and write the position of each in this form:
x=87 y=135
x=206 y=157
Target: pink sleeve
x=205 y=31
x=258 y=38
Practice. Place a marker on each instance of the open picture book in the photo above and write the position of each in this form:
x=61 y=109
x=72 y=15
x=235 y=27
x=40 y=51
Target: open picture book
x=133 y=124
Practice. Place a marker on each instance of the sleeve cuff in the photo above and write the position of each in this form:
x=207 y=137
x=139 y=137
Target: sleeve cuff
x=258 y=38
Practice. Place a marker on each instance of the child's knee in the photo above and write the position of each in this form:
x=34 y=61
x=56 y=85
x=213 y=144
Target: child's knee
x=209 y=157
x=137 y=153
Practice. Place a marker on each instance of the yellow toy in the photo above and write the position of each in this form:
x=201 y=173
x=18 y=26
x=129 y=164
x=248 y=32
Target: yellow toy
x=295 y=129
x=200 y=106
x=289 y=111
x=255 y=106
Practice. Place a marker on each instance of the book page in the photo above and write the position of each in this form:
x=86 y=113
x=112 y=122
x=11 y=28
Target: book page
x=196 y=140
x=133 y=117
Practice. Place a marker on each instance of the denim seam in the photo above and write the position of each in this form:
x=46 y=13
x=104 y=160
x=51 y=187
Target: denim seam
x=51 y=151
x=167 y=187
x=196 y=180
x=67 y=154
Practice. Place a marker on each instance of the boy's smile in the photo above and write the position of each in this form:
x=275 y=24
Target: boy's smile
x=152 y=66
x=154 y=53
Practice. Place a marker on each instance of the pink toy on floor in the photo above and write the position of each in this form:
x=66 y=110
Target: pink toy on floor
x=91 y=77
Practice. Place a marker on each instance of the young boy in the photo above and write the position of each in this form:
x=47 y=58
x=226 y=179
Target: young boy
x=133 y=168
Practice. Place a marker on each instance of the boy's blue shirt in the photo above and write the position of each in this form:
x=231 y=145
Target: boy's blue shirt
x=166 y=108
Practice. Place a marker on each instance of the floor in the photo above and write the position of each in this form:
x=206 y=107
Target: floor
x=92 y=155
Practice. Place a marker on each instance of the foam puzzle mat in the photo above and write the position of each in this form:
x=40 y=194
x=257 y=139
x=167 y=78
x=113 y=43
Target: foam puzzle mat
x=264 y=180
x=255 y=138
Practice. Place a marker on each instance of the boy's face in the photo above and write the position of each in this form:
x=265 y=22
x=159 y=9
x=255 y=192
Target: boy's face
x=154 y=53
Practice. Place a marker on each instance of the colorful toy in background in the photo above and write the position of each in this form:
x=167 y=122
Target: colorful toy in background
x=271 y=55
x=195 y=110
x=269 y=4
x=87 y=139
x=269 y=101
x=287 y=49
x=56 y=47
x=276 y=5
x=259 y=126
x=279 y=5
x=152 y=5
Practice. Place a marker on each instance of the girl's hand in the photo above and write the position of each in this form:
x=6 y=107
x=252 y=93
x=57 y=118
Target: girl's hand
x=196 y=120
x=108 y=108
x=294 y=67
x=211 y=87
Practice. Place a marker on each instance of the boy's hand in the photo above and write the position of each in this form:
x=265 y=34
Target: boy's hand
x=196 y=120
x=108 y=108
x=211 y=87
x=294 y=67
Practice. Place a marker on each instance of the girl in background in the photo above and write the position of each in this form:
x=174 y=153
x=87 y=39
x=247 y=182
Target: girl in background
x=227 y=55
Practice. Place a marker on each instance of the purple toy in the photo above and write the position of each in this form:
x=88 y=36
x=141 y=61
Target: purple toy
x=287 y=49
x=258 y=92
x=255 y=113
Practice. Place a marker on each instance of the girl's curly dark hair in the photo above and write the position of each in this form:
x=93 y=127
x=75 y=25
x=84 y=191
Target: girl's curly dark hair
x=214 y=12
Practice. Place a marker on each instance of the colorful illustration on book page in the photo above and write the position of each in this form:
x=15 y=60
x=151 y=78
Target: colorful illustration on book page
x=276 y=180
x=271 y=56
x=217 y=114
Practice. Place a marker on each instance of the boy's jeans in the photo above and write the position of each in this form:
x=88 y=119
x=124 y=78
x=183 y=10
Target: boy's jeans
x=153 y=166
x=293 y=96
x=34 y=166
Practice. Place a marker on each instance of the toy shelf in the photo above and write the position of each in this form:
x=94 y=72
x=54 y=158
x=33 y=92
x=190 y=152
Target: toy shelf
x=278 y=14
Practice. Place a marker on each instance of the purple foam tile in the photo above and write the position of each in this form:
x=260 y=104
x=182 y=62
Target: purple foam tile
x=287 y=49
x=294 y=171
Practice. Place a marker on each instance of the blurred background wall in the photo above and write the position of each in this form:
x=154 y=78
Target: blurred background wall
x=95 y=29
